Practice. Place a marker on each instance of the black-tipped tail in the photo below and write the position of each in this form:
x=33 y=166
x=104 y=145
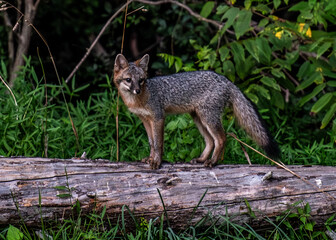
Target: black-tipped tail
x=272 y=149
x=249 y=119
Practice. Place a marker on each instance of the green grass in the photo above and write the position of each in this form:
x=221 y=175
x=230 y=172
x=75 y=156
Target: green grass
x=295 y=223
x=33 y=128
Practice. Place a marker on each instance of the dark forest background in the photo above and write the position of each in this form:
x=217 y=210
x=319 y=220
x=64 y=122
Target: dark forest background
x=281 y=54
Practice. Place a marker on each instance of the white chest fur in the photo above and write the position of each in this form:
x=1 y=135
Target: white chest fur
x=140 y=111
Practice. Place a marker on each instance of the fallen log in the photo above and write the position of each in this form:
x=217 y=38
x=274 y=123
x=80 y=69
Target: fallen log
x=49 y=187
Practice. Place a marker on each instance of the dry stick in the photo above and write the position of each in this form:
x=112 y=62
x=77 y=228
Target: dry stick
x=59 y=80
x=283 y=167
x=96 y=40
x=45 y=122
x=244 y=150
x=217 y=24
x=9 y=89
x=117 y=115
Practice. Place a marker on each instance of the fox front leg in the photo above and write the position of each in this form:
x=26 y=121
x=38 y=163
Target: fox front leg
x=148 y=124
x=158 y=126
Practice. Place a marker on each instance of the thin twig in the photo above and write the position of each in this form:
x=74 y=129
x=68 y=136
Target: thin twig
x=96 y=40
x=281 y=165
x=244 y=150
x=9 y=89
x=217 y=24
x=118 y=97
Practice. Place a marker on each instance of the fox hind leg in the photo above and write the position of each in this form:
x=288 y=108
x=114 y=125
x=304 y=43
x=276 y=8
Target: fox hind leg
x=212 y=123
x=209 y=142
x=218 y=134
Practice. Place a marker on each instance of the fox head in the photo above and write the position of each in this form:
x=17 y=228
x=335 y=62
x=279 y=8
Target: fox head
x=130 y=77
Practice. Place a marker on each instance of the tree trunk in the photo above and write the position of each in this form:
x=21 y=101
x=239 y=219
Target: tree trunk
x=23 y=36
x=99 y=183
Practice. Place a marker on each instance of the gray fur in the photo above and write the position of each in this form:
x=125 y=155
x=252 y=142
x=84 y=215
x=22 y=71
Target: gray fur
x=204 y=95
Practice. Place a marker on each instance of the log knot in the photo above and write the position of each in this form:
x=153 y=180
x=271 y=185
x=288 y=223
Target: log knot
x=169 y=181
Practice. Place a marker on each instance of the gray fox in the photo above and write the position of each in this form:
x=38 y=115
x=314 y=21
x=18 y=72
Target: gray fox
x=202 y=94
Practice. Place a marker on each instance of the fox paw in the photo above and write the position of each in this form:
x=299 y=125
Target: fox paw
x=197 y=160
x=147 y=159
x=154 y=164
x=209 y=163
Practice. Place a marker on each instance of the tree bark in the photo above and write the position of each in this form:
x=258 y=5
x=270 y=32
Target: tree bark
x=23 y=36
x=99 y=183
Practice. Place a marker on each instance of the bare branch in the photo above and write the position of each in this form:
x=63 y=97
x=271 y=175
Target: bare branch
x=96 y=40
x=217 y=24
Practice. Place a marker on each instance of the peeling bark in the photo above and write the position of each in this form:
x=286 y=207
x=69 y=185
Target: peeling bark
x=99 y=183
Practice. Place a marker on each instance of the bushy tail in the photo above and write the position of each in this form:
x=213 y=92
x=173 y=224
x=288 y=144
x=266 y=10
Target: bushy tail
x=249 y=119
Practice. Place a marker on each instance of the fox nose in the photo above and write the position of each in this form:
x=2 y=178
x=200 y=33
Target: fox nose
x=137 y=91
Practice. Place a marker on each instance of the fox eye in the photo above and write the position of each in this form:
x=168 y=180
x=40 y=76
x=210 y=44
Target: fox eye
x=142 y=80
x=128 y=80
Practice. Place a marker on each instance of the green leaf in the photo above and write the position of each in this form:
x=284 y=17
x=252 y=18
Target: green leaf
x=308 y=97
x=263 y=22
x=276 y=3
x=231 y=15
x=264 y=50
x=300 y=6
x=303 y=219
x=248 y=4
x=4 y=70
x=305 y=70
x=251 y=47
x=223 y=53
x=207 y=8
x=239 y=59
x=65 y=195
x=229 y=70
x=271 y=82
x=263 y=92
x=278 y=73
x=221 y=9
x=331 y=83
x=321 y=103
x=14 y=233
x=259 y=89
x=172 y=125
x=182 y=123
x=309 y=227
x=61 y=188
x=278 y=99
x=242 y=23
x=254 y=98
x=264 y=9
x=325 y=46
x=178 y=64
x=316 y=76
x=329 y=115
x=307 y=208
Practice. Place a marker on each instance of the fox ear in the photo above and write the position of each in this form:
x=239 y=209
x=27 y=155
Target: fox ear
x=143 y=62
x=120 y=63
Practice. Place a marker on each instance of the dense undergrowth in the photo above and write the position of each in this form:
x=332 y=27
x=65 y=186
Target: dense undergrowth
x=295 y=223
x=40 y=126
